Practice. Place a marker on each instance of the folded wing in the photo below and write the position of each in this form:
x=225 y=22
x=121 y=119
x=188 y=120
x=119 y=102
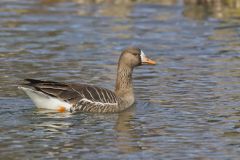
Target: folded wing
x=73 y=93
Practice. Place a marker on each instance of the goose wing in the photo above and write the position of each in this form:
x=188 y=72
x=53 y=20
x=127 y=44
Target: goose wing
x=73 y=93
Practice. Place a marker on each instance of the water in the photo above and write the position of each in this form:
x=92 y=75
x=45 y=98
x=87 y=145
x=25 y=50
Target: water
x=187 y=105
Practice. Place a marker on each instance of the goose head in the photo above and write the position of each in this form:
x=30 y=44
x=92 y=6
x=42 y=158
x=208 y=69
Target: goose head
x=133 y=57
x=130 y=58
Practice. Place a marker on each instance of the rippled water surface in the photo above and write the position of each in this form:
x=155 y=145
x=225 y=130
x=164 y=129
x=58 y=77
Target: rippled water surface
x=188 y=105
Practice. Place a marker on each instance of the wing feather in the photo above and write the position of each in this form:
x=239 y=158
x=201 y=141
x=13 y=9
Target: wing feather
x=73 y=93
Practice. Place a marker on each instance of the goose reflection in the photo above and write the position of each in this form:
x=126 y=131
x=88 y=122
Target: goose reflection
x=87 y=131
x=126 y=136
x=51 y=121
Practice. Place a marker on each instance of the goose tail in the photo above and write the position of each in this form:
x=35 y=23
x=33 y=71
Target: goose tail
x=42 y=100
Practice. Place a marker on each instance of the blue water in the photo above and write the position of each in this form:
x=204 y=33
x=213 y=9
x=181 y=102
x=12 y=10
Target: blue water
x=187 y=105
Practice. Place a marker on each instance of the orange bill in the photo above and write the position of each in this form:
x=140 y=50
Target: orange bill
x=146 y=60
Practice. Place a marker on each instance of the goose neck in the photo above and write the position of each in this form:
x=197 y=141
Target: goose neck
x=124 y=79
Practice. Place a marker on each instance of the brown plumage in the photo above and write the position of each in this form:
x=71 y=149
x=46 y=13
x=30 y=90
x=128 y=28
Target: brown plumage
x=86 y=98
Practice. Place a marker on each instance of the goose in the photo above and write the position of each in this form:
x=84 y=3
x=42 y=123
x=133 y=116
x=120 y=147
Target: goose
x=68 y=97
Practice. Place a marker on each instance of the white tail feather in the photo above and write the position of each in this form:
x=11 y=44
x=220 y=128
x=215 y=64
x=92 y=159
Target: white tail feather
x=42 y=100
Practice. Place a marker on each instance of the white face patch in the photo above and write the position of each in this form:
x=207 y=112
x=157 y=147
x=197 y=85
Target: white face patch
x=142 y=55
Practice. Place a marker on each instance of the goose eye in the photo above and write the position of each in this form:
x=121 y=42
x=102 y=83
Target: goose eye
x=135 y=54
